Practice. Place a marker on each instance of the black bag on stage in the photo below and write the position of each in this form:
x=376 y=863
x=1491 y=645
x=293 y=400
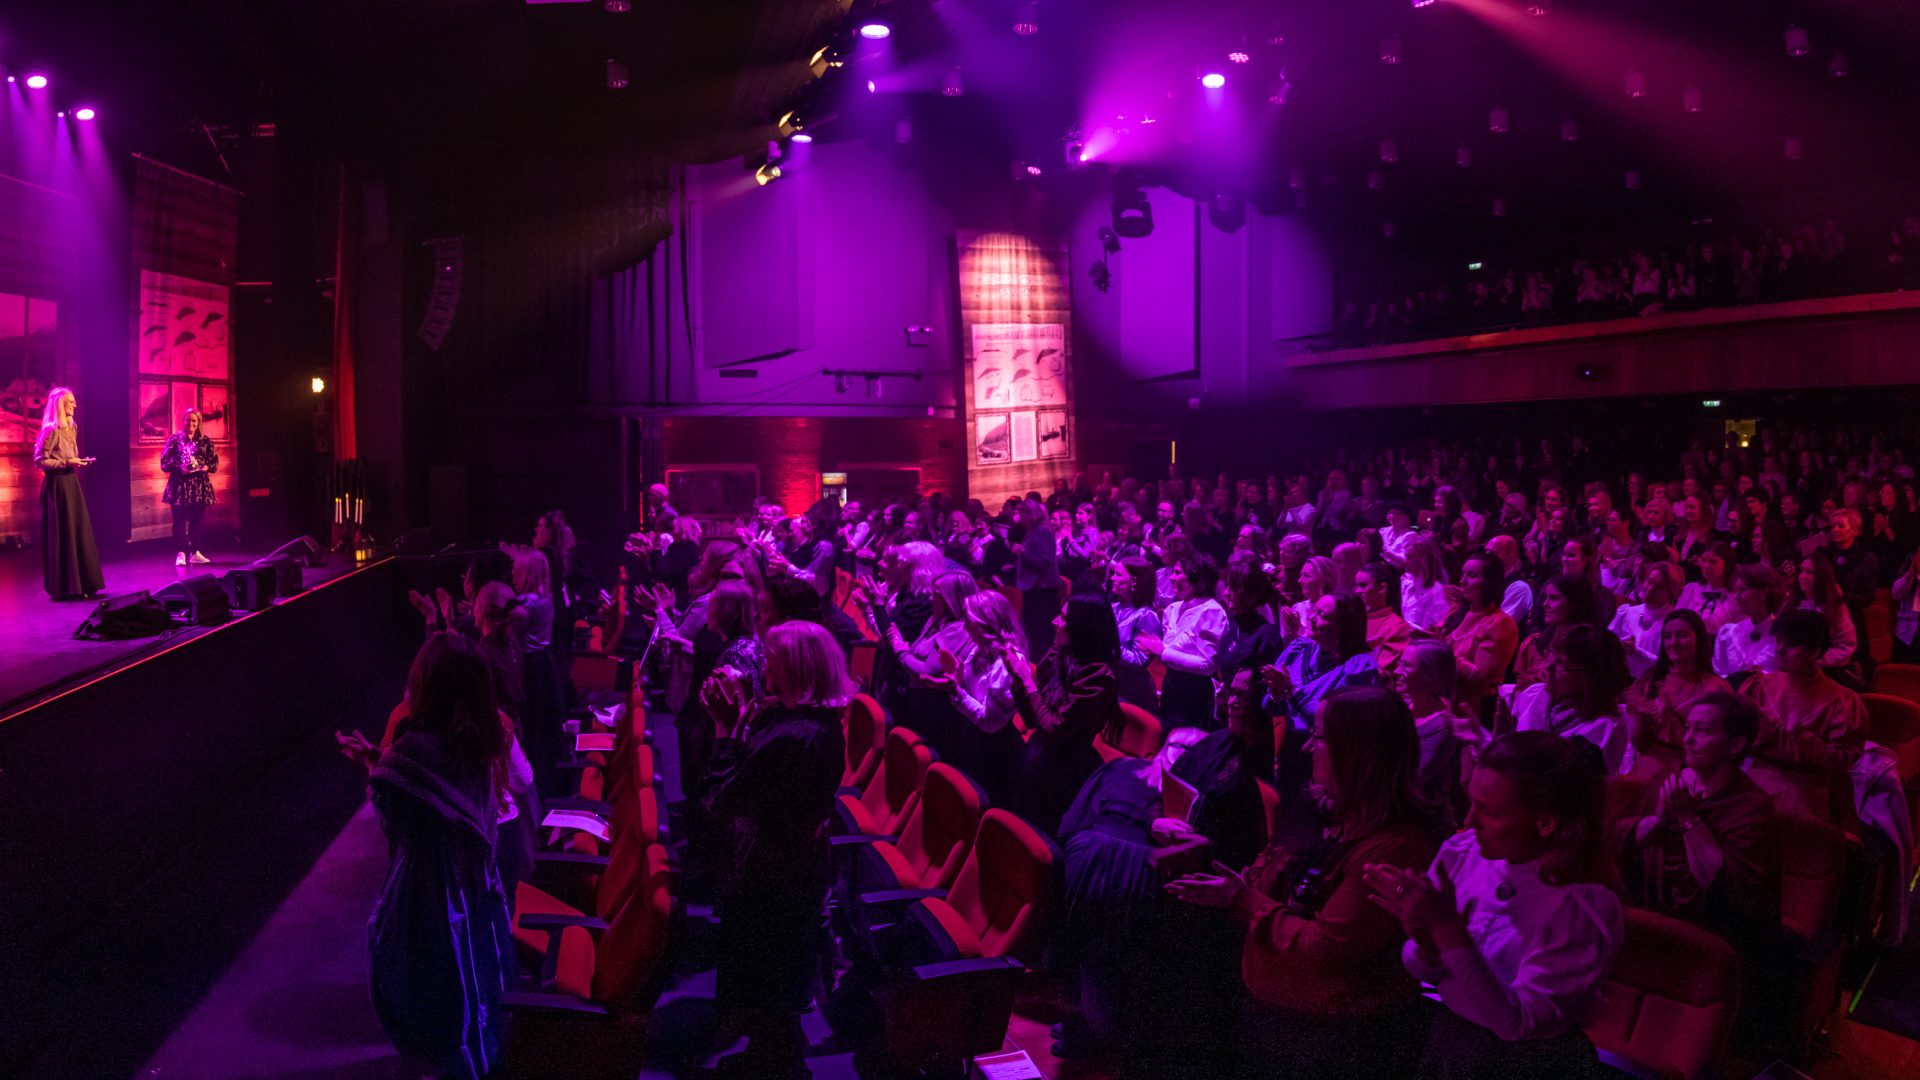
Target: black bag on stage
x=131 y=615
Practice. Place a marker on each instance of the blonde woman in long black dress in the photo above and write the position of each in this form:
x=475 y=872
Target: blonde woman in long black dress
x=71 y=563
x=189 y=461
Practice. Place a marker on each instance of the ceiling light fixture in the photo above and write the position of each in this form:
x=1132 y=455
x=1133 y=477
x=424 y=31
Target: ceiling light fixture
x=875 y=31
x=1213 y=80
x=36 y=82
x=1026 y=18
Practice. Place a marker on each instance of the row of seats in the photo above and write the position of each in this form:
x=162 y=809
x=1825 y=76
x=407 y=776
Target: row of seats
x=593 y=927
x=950 y=897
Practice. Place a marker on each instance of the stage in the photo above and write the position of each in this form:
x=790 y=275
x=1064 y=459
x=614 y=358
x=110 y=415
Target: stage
x=158 y=797
x=42 y=658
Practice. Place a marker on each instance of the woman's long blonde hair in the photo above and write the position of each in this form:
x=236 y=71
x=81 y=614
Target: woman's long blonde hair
x=191 y=413
x=50 y=415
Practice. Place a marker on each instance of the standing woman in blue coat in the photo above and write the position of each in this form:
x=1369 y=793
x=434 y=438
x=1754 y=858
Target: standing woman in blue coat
x=189 y=461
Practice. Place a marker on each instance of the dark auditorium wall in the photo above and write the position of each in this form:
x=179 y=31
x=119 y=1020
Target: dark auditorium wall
x=791 y=453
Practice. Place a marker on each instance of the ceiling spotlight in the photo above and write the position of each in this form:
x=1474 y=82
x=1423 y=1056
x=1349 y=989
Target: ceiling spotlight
x=1374 y=180
x=1463 y=155
x=1389 y=151
x=1026 y=18
x=1691 y=99
x=872 y=87
x=1390 y=50
x=1213 y=80
x=1635 y=83
x=1798 y=43
x=1497 y=120
x=951 y=84
x=875 y=31
x=802 y=137
x=9 y=78
x=1239 y=57
x=61 y=115
x=84 y=112
x=766 y=174
x=1424 y=3
x=1539 y=7
x=1791 y=146
x=1033 y=170
x=1499 y=207
x=1073 y=147
x=618 y=7
x=36 y=82
x=1569 y=130
x=1279 y=90
x=1837 y=67
x=616 y=75
x=1228 y=213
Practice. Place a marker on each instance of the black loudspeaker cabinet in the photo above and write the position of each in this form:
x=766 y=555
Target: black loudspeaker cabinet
x=250 y=588
x=304 y=548
x=129 y=615
x=288 y=578
x=200 y=597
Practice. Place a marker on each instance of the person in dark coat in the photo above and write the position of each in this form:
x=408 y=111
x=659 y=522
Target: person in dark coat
x=189 y=462
x=440 y=937
x=1068 y=700
x=770 y=792
x=1036 y=571
x=70 y=562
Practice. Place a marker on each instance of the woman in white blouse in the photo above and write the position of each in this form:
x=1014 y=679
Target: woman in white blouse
x=1517 y=924
x=1713 y=595
x=1194 y=623
x=1745 y=645
x=1582 y=695
x=1423 y=588
x=1638 y=625
x=986 y=746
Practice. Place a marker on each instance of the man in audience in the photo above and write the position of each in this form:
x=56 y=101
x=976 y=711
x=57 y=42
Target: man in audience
x=1397 y=535
x=1745 y=645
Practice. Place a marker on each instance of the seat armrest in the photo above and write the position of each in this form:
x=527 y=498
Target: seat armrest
x=551 y=923
x=979 y=965
x=862 y=838
x=1628 y=1066
x=896 y=896
x=570 y=859
x=559 y=1003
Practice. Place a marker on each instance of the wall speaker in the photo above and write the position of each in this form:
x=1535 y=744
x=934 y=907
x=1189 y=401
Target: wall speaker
x=200 y=598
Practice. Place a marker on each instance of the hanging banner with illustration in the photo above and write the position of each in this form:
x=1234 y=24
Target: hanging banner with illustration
x=1017 y=330
x=183 y=359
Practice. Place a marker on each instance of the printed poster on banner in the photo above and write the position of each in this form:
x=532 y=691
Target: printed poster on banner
x=1019 y=365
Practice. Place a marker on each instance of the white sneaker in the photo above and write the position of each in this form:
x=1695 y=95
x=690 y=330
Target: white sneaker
x=180 y=559
x=201 y=559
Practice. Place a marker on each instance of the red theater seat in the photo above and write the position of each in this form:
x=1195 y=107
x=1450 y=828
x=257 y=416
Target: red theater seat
x=598 y=979
x=938 y=835
x=866 y=727
x=984 y=930
x=883 y=807
x=1669 y=1003
x=1140 y=735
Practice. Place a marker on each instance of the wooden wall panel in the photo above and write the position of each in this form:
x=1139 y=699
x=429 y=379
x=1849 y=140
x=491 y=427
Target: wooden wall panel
x=1871 y=340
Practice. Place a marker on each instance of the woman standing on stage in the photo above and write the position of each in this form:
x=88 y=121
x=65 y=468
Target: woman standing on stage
x=70 y=561
x=189 y=461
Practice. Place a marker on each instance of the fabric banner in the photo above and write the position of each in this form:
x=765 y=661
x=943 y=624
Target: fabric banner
x=186 y=239
x=1017 y=330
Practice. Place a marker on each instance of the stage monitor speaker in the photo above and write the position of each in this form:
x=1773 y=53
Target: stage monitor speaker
x=251 y=588
x=287 y=576
x=129 y=615
x=306 y=549
x=200 y=597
